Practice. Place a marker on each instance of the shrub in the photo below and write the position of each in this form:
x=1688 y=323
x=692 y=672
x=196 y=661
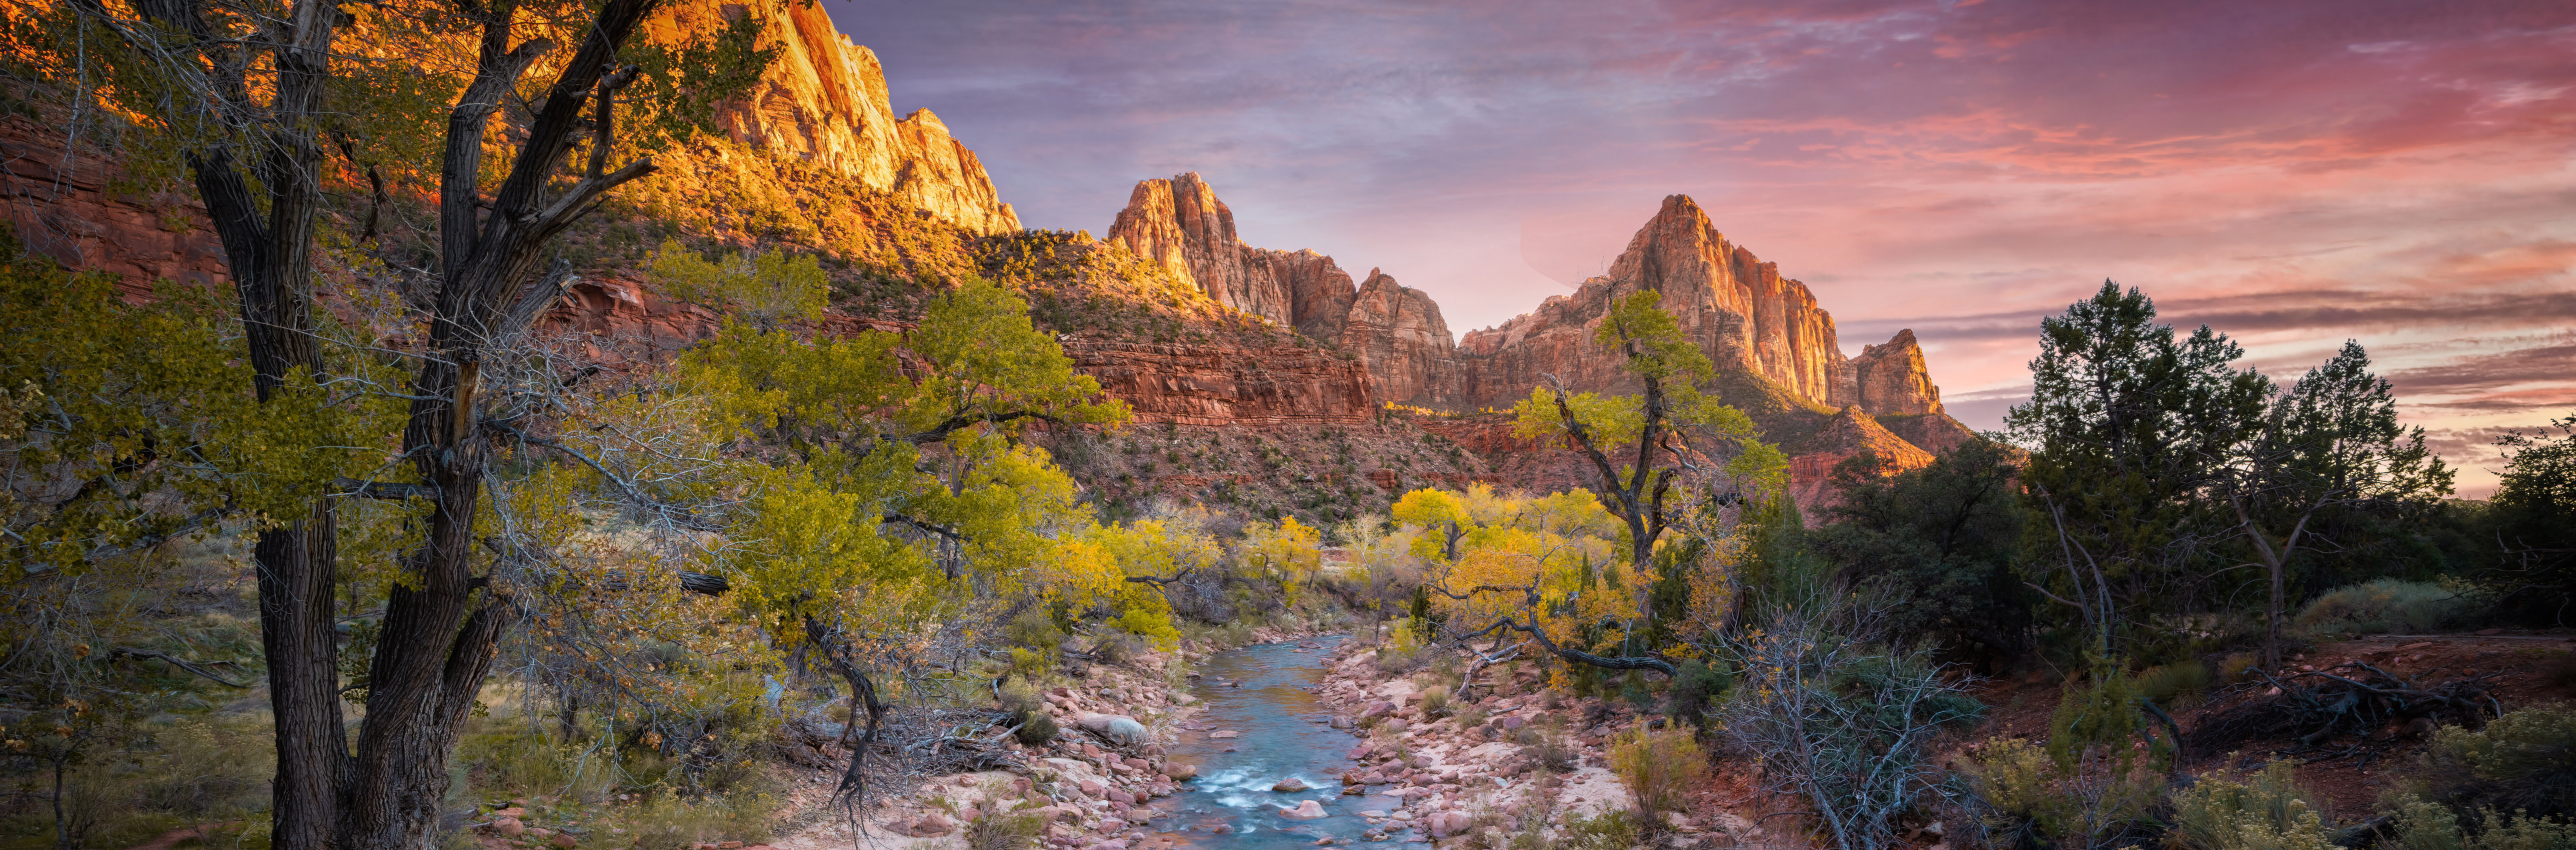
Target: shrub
x=1435 y=701
x=2266 y=812
x=2521 y=762
x=1609 y=830
x=2387 y=605
x=1029 y=664
x=2421 y=825
x=1004 y=832
x=1848 y=726
x=1038 y=729
x=1694 y=685
x=1028 y=711
x=664 y=821
x=1471 y=717
x=1036 y=631
x=1550 y=749
x=2175 y=686
x=2092 y=801
x=1659 y=766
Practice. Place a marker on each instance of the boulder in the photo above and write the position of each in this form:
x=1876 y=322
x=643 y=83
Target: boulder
x=509 y=826
x=1181 y=772
x=1223 y=734
x=1291 y=785
x=1305 y=810
x=1118 y=728
x=930 y=824
x=563 y=842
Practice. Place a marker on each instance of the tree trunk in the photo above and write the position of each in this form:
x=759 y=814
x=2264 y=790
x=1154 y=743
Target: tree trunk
x=270 y=257
x=298 y=566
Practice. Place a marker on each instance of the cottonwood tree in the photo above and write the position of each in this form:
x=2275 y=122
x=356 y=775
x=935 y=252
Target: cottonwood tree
x=2329 y=445
x=1667 y=426
x=245 y=95
x=893 y=496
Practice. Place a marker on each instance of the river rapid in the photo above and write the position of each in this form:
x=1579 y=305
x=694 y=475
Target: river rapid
x=1282 y=731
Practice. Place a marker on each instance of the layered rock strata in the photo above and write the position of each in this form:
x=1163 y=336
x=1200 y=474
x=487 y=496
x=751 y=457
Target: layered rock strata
x=825 y=101
x=1395 y=332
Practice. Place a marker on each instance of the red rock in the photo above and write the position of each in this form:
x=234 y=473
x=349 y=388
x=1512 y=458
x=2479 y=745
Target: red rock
x=824 y=101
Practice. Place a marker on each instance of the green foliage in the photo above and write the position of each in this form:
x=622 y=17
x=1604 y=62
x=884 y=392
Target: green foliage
x=2123 y=420
x=136 y=422
x=1609 y=830
x=2422 y=825
x=1659 y=767
x=2099 y=712
x=2268 y=811
x=2533 y=520
x=767 y=288
x=1695 y=685
x=2524 y=762
x=1937 y=545
x=2395 y=606
x=2174 y=686
x=680 y=85
x=2095 y=802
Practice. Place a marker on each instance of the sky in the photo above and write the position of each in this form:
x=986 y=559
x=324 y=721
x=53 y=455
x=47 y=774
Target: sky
x=2294 y=174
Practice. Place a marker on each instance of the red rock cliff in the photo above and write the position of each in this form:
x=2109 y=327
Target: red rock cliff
x=825 y=101
x=1738 y=308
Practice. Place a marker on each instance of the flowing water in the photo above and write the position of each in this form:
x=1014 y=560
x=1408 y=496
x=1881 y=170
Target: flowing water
x=1283 y=734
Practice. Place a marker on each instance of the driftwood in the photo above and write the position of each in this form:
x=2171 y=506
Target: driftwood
x=2352 y=709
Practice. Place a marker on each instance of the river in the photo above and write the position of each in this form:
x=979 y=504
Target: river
x=1283 y=733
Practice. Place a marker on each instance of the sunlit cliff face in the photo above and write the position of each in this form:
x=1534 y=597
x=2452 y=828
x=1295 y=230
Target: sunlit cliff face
x=2293 y=173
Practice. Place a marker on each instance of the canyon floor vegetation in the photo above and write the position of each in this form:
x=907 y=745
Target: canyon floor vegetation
x=382 y=542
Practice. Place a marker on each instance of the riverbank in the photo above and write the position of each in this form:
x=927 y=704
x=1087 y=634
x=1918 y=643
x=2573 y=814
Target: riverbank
x=1093 y=787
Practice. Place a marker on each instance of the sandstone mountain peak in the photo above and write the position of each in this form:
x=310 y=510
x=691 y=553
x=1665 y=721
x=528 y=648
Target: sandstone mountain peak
x=1892 y=377
x=825 y=102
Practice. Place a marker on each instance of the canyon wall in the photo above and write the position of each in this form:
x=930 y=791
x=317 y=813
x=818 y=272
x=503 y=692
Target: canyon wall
x=824 y=101
x=1395 y=332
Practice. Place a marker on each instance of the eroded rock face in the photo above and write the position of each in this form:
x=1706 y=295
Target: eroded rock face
x=1396 y=333
x=61 y=207
x=1399 y=336
x=1217 y=385
x=825 y=101
x=1735 y=306
x=1892 y=378
x=1180 y=223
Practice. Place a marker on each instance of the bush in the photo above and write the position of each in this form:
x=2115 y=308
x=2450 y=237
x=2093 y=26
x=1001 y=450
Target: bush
x=2267 y=812
x=1549 y=749
x=1610 y=830
x=1028 y=711
x=2427 y=826
x=2175 y=686
x=1004 y=832
x=1694 y=685
x=1659 y=766
x=1435 y=701
x=2393 y=606
x=2094 y=800
x=663 y=821
x=2522 y=762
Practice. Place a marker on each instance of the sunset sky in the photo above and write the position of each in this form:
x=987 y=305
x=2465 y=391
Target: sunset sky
x=2292 y=173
